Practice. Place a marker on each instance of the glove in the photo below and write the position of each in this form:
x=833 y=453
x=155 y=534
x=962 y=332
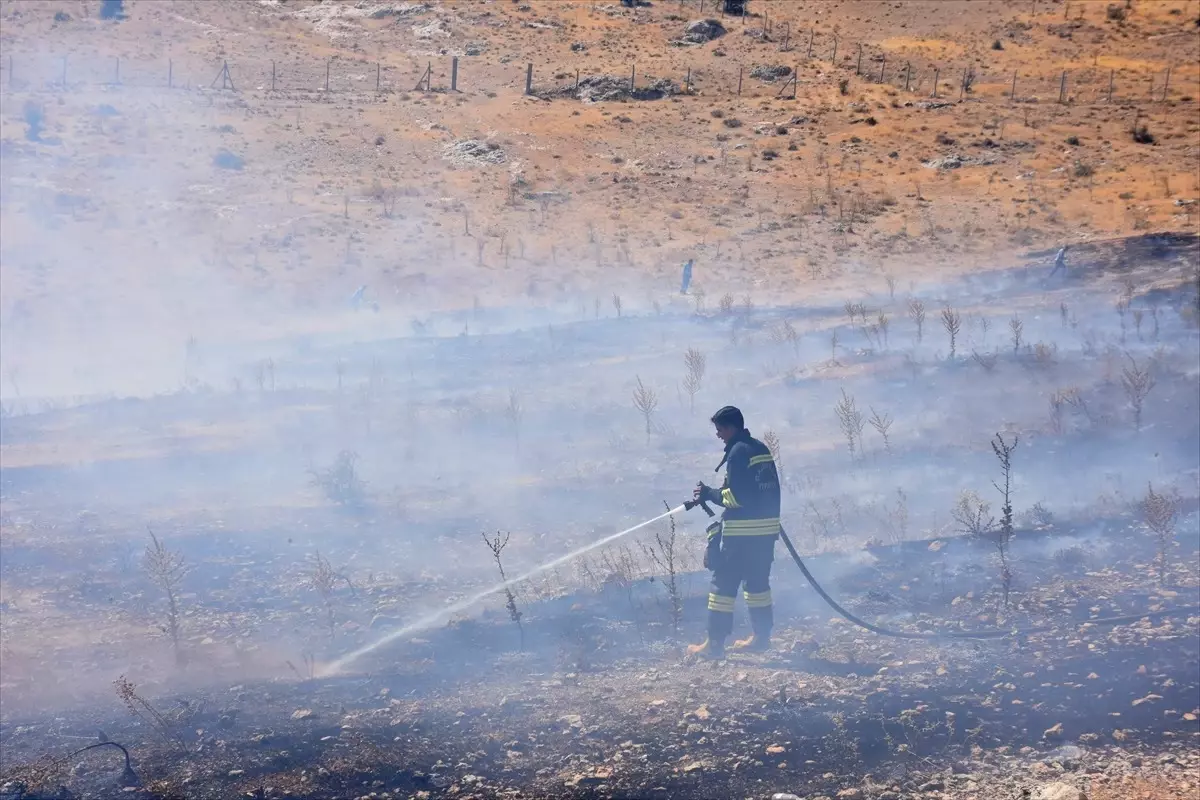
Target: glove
x=707 y=494
x=712 y=553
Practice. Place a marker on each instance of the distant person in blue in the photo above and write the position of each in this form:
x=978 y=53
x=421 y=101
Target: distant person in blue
x=1060 y=262
x=687 y=277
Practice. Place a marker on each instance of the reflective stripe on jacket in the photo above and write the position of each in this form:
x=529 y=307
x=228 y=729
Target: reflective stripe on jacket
x=750 y=493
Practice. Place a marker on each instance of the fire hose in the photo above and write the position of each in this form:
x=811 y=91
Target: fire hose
x=936 y=636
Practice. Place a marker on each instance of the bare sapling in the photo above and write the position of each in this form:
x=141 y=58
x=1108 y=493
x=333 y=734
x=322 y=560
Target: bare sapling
x=891 y=285
x=513 y=412
x=1058 y=402
x=952 y=322
x=616 y=301
x=665 y=556
x=622 y=571
x=852 y=423
x=1016 y=327
x=726 y=303
x=916 y=312
x=696 y=364
x=1002 y=535
x=1161 y=513
x=1137 y=383
x=851 y=309
x=167 y=569
x=496 y=545
x=985 y=360
x=881 y=328
x=882 y=423
x=645 y=400
x=771 y=439
x=322 y=578
x=141 y=708
x=898 y=517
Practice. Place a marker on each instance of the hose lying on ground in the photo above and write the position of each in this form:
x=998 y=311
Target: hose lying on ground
x=985 y=634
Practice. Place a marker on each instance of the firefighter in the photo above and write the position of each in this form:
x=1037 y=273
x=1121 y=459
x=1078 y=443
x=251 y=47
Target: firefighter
x=741 y=547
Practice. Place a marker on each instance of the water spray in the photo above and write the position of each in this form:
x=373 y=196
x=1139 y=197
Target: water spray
x=437 y=617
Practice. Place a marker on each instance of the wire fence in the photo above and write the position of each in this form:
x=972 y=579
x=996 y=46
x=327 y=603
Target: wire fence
x=791 y=58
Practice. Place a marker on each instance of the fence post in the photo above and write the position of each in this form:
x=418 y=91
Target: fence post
x=1111 y=72
x=787 y=35
x=1166 y=83
x=1062 y=87
x=936 y=73
x=327 y=62
x=577 y=78
x=811 y=35
x=529 y=79
x=429 y=77
x=740 y=80
x=170 y=73
x=858 y=67
x=272 y=75
x=1012 y=94
x=795 y=80
x=454 y=74
x=632 y=78
x=687 y=82
x=907 y=74
x=833 y=58
x=882 y=67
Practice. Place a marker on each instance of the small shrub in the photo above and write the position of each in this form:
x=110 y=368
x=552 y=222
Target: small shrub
x=732 y=122
x=717 y=113
x=1115 y=13
x=1073 y=141
x=943 y=139
x=1070 y=559
x=844 y=86
x=1083 y=170
x=997 y=45
x=1142 y=135
x=341 y=482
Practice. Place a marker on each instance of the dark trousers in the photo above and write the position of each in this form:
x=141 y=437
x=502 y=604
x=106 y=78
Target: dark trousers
x=744 y=561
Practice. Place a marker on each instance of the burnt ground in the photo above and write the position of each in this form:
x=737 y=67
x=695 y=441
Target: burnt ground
x=601 y=702
x=592 y=697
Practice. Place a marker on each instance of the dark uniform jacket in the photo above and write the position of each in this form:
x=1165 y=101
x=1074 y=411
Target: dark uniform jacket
x=750 y=493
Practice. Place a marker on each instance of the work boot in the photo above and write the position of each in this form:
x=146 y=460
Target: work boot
x=753 y=644
x=710 y=649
